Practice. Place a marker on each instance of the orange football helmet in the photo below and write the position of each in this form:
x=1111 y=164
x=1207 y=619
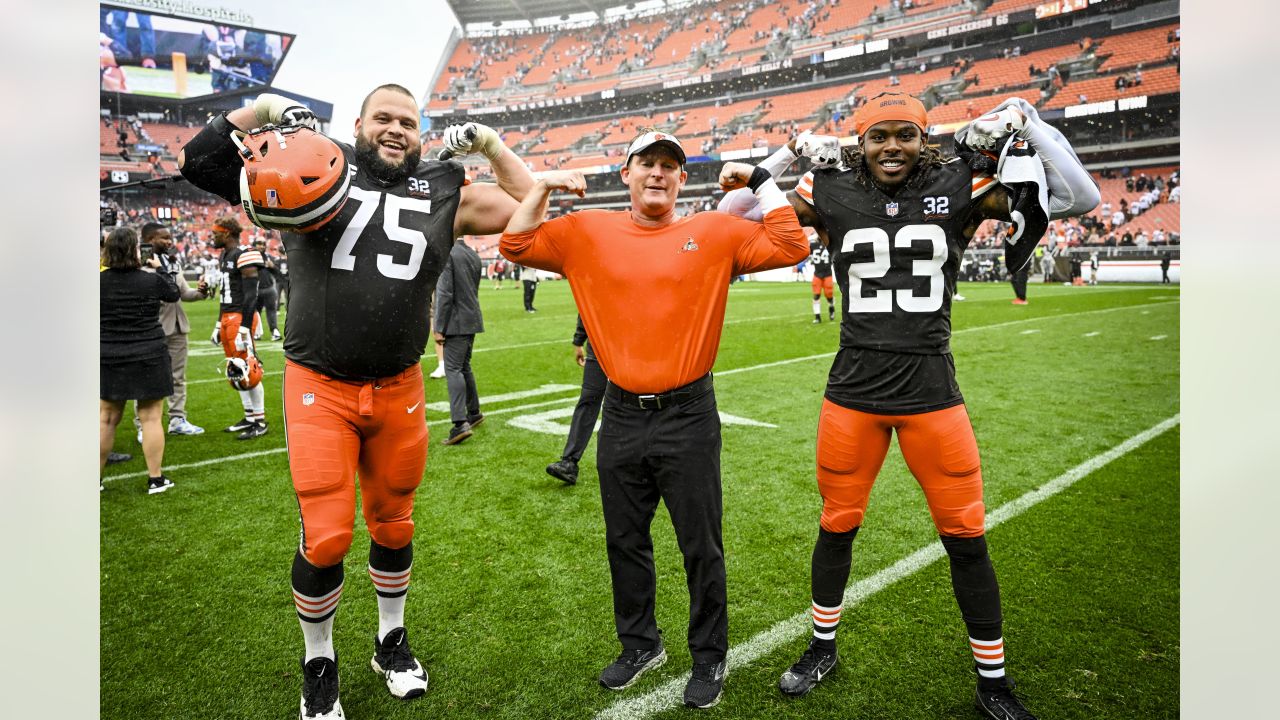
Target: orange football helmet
x=294 y=179
x=244 y=373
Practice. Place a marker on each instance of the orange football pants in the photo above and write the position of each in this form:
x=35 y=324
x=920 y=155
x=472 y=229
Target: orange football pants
x=822 y=286
x=229 y=326
x=337 y=429
x=939 y=447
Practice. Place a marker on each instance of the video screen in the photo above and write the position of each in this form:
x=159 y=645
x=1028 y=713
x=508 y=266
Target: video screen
x=152 y=54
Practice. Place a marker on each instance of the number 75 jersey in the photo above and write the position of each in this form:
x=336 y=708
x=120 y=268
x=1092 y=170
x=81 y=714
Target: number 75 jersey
x=361 y=286
x=895 y=258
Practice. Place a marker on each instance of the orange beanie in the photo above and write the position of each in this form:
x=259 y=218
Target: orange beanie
x=890 y=106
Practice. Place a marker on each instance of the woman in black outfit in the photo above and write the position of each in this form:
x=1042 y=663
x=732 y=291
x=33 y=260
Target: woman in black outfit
x=134 y=361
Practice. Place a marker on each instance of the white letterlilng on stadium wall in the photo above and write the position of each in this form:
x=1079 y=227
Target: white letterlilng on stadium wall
x=190 y=9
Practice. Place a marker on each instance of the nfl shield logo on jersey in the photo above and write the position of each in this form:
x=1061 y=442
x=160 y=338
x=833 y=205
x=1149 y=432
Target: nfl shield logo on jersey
x=891 y=209
x=308 y=398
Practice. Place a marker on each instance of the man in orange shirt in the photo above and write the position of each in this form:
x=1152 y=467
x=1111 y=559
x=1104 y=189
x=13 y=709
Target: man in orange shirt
x=651 y=289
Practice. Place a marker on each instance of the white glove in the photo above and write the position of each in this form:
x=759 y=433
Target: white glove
x=216 y=338
x=272 y=109
x=989 y=131
x=822 y=150
x=243 y=341
x=471 y=138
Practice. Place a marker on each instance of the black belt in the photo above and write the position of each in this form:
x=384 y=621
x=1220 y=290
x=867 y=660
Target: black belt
x=658 y=401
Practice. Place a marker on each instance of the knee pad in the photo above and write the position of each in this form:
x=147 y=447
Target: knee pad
x=328 y=548
x=393 y=535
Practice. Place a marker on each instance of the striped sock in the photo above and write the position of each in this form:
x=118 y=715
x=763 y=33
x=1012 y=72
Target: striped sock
x=390 y=570
x=989 y=655
x=316 y=592
x=825 y=621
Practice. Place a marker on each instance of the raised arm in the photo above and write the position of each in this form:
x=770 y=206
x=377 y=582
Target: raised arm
x=485 y=208
x=527 y=239
x=779 y=241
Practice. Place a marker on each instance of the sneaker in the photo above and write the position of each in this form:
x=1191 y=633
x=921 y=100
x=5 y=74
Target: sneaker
x=437 y=373
x=180 y=426
x=257 y=429
x=995 y=699
x=116 y=458
x=241 y=426
x=831 y=314
x=817 y=320
x=406 y=678
x=630 y=665
x=275 y=335
x=320 y=691
x=957 y=297
x=564 y=470
x=475 y=420
x=1016 y=301
x=813 y=665
x=139 y=436
x=158 y=484
x=457 y=434
x=706 y=685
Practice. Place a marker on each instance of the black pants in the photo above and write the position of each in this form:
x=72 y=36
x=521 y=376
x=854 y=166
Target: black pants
x=530 y=287
x=587 y=409
x=269 y=301
x=464 y=401
x=1019 y=280
x=672 y=454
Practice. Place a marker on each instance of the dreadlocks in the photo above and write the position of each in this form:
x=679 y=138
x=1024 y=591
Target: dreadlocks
x=930 y=159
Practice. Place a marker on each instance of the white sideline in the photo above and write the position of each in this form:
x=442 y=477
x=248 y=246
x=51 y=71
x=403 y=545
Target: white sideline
x=719 y=373
x=669 y=694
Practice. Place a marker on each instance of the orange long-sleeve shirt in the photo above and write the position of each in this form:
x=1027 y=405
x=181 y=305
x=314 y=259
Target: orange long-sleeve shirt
x=653 y=299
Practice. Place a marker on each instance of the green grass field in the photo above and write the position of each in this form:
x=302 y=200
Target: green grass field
x=510 y=608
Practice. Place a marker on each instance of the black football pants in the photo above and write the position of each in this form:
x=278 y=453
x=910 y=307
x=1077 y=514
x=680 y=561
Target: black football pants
x=587 y=409
x=1019 y=281
x=672 y=454
x=530 y=287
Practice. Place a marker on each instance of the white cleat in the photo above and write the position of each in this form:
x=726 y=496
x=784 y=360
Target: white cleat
x=392 y=658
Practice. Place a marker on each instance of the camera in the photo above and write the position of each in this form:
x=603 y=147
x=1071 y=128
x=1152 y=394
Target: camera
x=107 y=216
x=147 y=250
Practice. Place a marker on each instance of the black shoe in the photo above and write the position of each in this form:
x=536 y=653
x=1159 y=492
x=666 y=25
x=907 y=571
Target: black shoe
x=706 y=685
x=813 y=665
x=817 y=319
x=475 y=420
x=392 y=658
x=320 y=691
x=257 y=429
x=995 y=699
x=116 y=458
x=565 y=471
x=158 y=484
x=241 y=426
x=630 y=665
x=457 y=434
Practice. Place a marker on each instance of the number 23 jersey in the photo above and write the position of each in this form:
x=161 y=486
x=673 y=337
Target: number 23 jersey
x=895 y=259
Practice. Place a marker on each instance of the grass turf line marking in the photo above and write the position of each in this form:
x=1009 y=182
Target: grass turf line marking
x=721 y=373
x=273 y=451
x=1159 y=337
x=669 y=694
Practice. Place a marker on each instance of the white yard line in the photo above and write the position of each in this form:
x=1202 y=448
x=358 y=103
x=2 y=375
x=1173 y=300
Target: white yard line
x=720 y=373
x=669 y=694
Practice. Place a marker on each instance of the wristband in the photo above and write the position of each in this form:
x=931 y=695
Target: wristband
x=758 y=177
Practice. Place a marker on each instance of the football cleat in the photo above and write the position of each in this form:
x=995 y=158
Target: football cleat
x=320 y=691
x=995 y=699
x=158 y=484
x=630 y=665
x=813 y=665
x=257 y=429
x=392 y=658
x=241 y=426
x=294 y=179
x=705 y=685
